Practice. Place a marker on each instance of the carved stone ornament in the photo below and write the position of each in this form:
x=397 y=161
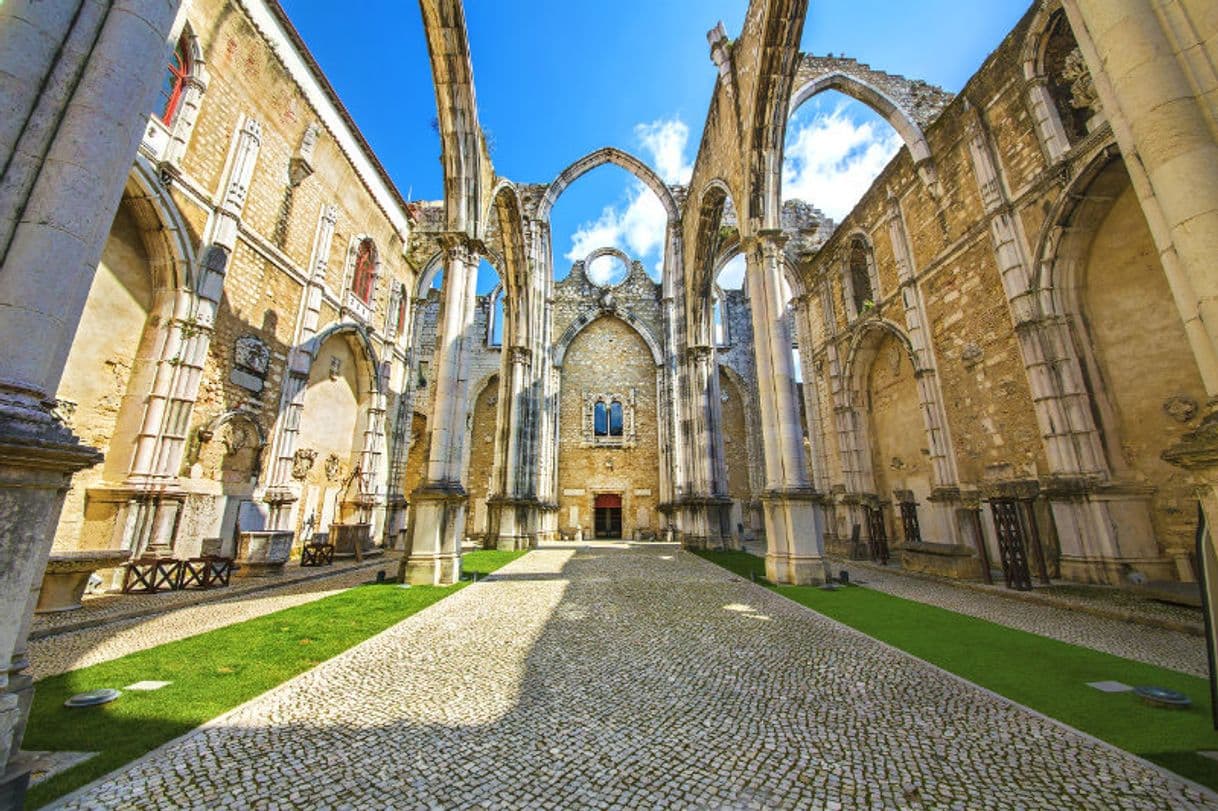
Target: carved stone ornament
x=1180 y=408
x=1082 y=88
x=302 y=462
x=334 y=467
x=251 y=354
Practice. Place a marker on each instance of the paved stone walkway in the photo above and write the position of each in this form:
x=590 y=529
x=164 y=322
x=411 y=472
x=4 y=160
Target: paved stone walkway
x=75 y=649
x=614 y=678
x=1142 y=643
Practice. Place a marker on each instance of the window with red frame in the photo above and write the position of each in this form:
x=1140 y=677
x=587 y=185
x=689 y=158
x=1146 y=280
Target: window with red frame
x=174 y=82
x=361 y=283
x=401 y=323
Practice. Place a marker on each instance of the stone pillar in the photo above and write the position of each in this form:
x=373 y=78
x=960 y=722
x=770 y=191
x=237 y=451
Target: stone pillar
x=281 y=494
x=76 y=87
x=513 y=502
x=439 y=504
x=794 y=517
x=1145 y=58
x=706 y=505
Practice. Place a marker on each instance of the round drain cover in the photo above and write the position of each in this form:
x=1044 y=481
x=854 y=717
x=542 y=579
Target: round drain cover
x=93 y=698
x=1162 y=697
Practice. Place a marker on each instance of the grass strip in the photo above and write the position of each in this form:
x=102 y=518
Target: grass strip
x=213 y=672
x=1047 y=675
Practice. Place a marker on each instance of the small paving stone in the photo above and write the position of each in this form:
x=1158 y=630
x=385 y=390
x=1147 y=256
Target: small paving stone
x=655 y=689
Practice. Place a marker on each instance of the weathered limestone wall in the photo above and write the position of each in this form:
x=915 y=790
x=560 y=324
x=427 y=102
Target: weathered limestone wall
x=608 y=357
x=481 y=453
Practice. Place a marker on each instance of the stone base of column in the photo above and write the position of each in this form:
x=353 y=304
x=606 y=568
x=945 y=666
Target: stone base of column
x=1104 y=537
x=437 y=526
x=795 y=531
x=38 y=458
x=705 y=522
x=513 y=523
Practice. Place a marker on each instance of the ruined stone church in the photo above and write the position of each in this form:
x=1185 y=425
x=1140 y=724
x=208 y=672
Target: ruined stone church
x=1004 y=357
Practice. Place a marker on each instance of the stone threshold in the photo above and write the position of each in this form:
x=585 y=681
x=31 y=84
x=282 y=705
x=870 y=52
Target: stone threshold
x=207 y=596
x=1034 y=596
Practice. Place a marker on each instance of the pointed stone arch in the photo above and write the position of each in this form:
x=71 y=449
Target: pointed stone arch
x=620 y=158
x=587 y=319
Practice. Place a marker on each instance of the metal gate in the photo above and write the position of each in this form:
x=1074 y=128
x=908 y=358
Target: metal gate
x=1014 y=559
x=877 y=536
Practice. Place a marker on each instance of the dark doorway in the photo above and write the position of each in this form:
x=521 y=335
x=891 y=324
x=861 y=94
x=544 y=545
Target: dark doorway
x=608 y=509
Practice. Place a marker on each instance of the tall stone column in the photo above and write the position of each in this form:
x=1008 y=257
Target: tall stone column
x=513 y=503
x=794 y=517
x=439 y=504
x=77 y=87
x=706 y=505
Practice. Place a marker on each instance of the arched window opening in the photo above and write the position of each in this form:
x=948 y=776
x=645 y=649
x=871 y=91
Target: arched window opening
x=1070 y=82
x=174 y=81
x=615 y=419
x=365 y=271
x=796 y=366
x=494 y=335
x=400 y=317
x=602 y=420
x=717 y=325
x=862 y=293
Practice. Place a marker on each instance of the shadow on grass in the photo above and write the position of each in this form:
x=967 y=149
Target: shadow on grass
x=209 y=674
x=1047 y=675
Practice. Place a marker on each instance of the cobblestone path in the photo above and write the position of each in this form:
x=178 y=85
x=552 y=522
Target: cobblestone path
x=613 y=678
x=1142 y=643
x=51 y=655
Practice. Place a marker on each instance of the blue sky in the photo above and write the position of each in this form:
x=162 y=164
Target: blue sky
x=556 y=79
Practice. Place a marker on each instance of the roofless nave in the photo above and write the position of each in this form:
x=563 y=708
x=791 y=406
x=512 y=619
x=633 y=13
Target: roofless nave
x=1007 y=350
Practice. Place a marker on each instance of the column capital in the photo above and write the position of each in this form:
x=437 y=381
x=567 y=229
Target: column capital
x=700 y=353
x=459 y=241
x=520 y=354
x=767 y=239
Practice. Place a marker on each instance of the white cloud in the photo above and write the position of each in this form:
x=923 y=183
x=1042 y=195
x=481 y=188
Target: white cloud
x=666 y=139
x=831 y=161
x=638 y=226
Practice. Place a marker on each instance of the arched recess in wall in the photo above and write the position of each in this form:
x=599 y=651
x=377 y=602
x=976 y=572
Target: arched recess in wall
x=340 y=428
x=741 y=440
x=1061 y=95
x=1100 y=274
x=144 y=277
x=892 y=441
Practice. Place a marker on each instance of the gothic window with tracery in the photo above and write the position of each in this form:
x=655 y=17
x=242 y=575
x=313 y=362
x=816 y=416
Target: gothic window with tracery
x=609 y=420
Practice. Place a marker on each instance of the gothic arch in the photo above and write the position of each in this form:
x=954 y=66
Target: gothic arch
x=463 y=147
x=587 y=319
x=782 y=25
x=710 y=243
x=867 y=93
x=163 y=229
x=512 y=264
x=358 y=334
x=619 y=158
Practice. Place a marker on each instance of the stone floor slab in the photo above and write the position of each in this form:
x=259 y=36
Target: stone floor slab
x=629 y=678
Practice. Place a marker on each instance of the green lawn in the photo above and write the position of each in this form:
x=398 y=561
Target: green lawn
x=1041 y=673
x=212 y=673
